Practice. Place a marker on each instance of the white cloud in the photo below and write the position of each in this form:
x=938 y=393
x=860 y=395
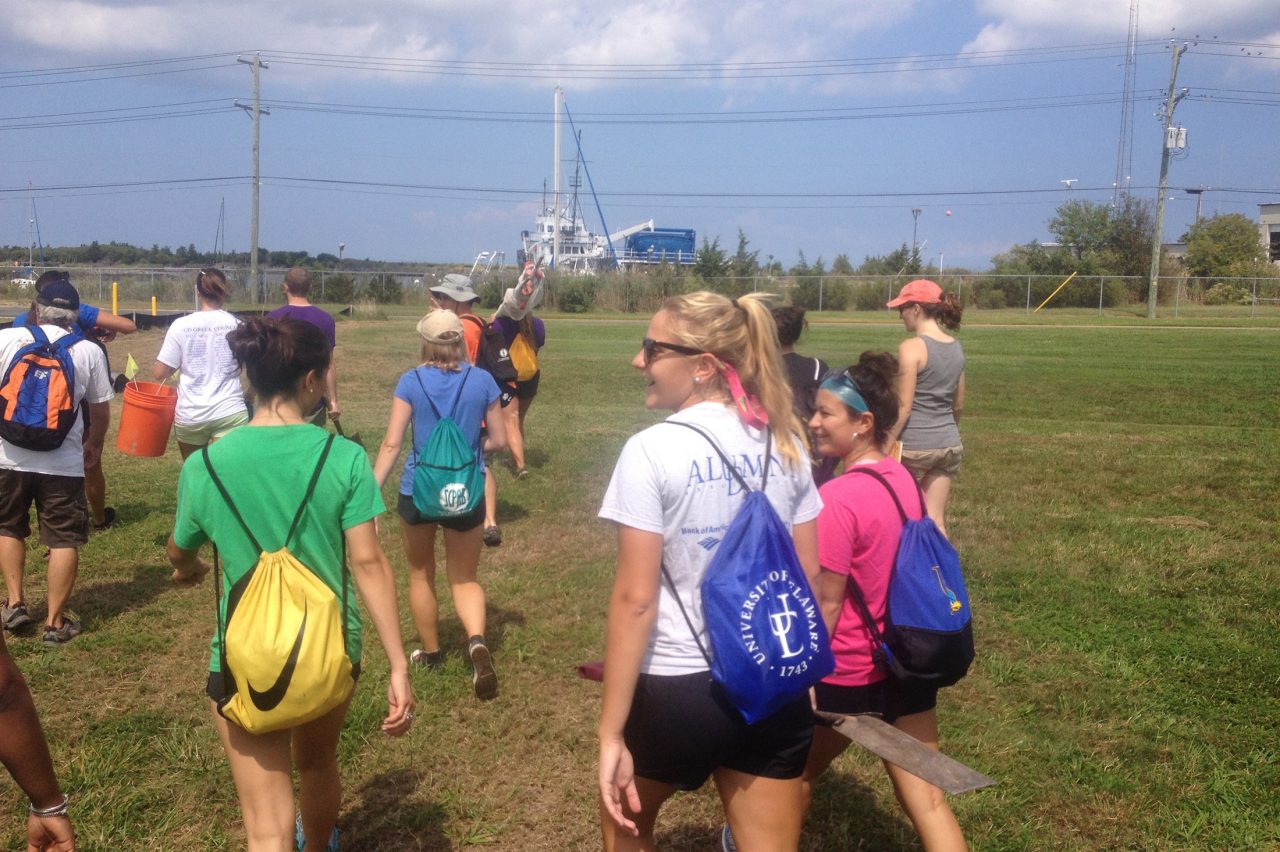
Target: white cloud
x=1029 y=23
x=599 y=32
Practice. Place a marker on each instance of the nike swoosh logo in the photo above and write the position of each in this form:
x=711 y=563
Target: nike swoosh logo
x=269 y=698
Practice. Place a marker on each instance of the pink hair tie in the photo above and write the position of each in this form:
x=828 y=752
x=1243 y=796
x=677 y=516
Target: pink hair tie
x=750 y=411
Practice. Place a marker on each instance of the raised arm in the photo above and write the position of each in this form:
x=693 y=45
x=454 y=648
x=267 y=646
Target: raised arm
x=633 y=609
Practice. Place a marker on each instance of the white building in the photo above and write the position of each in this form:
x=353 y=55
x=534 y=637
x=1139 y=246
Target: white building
x=1269 y=229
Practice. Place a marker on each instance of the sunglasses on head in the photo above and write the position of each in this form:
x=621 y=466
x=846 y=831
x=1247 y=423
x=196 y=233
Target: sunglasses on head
x=651 y=347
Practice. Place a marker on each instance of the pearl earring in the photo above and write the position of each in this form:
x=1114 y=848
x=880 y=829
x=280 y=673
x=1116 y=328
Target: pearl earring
x=697 y=380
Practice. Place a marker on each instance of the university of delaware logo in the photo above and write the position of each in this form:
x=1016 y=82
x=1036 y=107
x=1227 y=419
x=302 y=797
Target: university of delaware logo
x=454 y=498
x=782 y=613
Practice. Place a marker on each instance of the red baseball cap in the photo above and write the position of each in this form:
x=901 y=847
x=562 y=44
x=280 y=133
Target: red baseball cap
x=921 y=291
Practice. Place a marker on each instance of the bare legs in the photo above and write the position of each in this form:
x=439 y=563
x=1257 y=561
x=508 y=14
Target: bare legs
x=937 y=490
x=462 y=558
x=63 y=565
x=763 y=813
x=924 y=804
x=262 y=769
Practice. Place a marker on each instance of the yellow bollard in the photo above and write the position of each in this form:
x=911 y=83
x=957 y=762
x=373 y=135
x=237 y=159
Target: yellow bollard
x=115 y=298
x=153 y=306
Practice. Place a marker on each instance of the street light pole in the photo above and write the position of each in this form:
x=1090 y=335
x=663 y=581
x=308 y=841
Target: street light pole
x=915 y=225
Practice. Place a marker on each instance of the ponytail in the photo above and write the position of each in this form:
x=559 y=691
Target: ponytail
x=946 y=311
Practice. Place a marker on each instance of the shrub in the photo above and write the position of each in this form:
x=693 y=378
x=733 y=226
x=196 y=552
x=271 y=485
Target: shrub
x=338 y=289
x=577 y=295
x=1227 y=293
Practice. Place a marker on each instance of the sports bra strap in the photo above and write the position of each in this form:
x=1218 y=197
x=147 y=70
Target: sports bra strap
x=768 y=448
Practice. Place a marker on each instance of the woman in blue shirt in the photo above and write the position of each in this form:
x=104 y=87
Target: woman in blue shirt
x=447 y=384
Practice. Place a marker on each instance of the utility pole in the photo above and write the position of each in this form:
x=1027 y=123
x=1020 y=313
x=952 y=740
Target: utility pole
x=915 y=224
x=256 y=110
x=1171 y=103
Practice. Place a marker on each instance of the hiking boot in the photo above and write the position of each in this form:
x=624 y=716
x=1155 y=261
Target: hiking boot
x=429 y=660
x=483 y=678
x=492 y=536
x=55 y=636
x=15 y=618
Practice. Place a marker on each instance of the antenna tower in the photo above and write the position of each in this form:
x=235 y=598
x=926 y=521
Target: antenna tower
x=1124 y=148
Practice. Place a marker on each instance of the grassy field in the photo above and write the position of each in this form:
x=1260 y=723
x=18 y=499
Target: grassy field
x=1116 y=516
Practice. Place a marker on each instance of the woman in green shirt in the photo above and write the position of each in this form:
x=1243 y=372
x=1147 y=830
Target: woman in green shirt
x=265 y=466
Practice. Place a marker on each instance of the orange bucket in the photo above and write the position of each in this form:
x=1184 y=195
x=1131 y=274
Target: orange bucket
x=146 y=419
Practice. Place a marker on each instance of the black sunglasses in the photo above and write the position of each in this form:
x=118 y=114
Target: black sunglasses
x=650 y=347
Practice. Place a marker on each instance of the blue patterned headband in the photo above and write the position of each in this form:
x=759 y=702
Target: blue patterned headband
x=842 y=386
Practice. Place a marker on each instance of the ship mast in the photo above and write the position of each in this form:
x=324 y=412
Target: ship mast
x=555 y=244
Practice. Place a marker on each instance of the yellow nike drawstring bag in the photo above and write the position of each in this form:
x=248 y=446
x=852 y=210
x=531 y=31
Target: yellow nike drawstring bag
x=284 y=655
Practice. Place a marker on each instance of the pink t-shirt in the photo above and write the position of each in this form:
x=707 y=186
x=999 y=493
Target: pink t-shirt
x=858 y=532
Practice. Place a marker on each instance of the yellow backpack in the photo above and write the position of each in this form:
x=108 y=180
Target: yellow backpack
x=284 y=654
x=523 y=357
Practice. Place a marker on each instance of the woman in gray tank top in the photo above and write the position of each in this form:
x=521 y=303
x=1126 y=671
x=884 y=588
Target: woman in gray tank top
x=930 y=392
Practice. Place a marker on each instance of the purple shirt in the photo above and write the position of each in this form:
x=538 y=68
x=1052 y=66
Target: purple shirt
x=510 y=328
x=309 y=314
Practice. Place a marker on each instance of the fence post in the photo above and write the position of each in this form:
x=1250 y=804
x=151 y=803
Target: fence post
x=1255 y=293
x=1253 y=305
x=1028 y=294
x=1177 y=297
x=323 y=275
x=1102 y=283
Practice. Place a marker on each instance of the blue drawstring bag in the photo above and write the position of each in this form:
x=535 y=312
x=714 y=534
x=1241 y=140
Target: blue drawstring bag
x=768 y=641
x=928 y=626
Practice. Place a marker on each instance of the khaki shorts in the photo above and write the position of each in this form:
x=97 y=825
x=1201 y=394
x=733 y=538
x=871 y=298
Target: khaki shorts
x=941 y=462
x=60 y=506
x=202 y=434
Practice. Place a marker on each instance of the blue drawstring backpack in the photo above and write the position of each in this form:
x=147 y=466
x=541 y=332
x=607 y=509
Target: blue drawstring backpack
x=768 y=641
x=928 y=628
x=448 y=480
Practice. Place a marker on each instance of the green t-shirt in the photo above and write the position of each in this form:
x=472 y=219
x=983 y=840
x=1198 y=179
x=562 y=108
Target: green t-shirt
x=266 y=469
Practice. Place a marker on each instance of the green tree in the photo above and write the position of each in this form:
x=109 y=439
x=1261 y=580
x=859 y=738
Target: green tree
x=743 y=266
x=841 y=265
x=710 y=263
x=1223 y=246
x=896 y=262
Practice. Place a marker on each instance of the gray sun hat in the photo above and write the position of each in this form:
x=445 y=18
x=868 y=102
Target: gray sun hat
x=456 y=287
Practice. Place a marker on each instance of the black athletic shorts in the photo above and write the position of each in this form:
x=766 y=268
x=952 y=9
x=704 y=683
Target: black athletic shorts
x=459 y=523
x=888 y=699
x=681 y=728
x=529 y=389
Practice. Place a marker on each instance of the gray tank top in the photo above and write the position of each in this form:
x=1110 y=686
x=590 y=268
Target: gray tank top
x=932 y=425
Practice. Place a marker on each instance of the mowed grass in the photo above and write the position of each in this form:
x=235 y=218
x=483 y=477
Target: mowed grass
x=1116 y=515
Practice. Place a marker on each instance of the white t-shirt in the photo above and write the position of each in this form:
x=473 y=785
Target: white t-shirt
x=669 y=480
x=92 y=385
x=209 y=387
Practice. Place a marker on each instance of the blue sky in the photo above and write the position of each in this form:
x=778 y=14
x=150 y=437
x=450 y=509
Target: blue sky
x=814 y=126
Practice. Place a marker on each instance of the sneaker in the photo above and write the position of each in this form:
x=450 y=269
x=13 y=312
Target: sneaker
x=15 y=618
x=55 y=636
x=522 y=472
x=483 y=678
x=492 y=536
x=726 y=840
x=301 y=839
x=108 y=519
x=429 y=661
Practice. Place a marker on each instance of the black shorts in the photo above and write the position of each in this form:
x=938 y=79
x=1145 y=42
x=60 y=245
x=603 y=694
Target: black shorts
x=681 y=728
x=459 y=523
x=888 y=699
x=60 y=503
x=529 y=389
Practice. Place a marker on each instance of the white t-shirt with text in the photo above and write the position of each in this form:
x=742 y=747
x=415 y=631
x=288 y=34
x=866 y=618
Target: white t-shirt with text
x=209 y=386
x=668 y=480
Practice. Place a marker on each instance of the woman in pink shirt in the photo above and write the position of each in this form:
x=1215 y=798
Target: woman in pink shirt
x=858 y=532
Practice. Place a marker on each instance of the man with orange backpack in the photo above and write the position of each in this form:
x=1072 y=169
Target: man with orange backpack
x=46 y=372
